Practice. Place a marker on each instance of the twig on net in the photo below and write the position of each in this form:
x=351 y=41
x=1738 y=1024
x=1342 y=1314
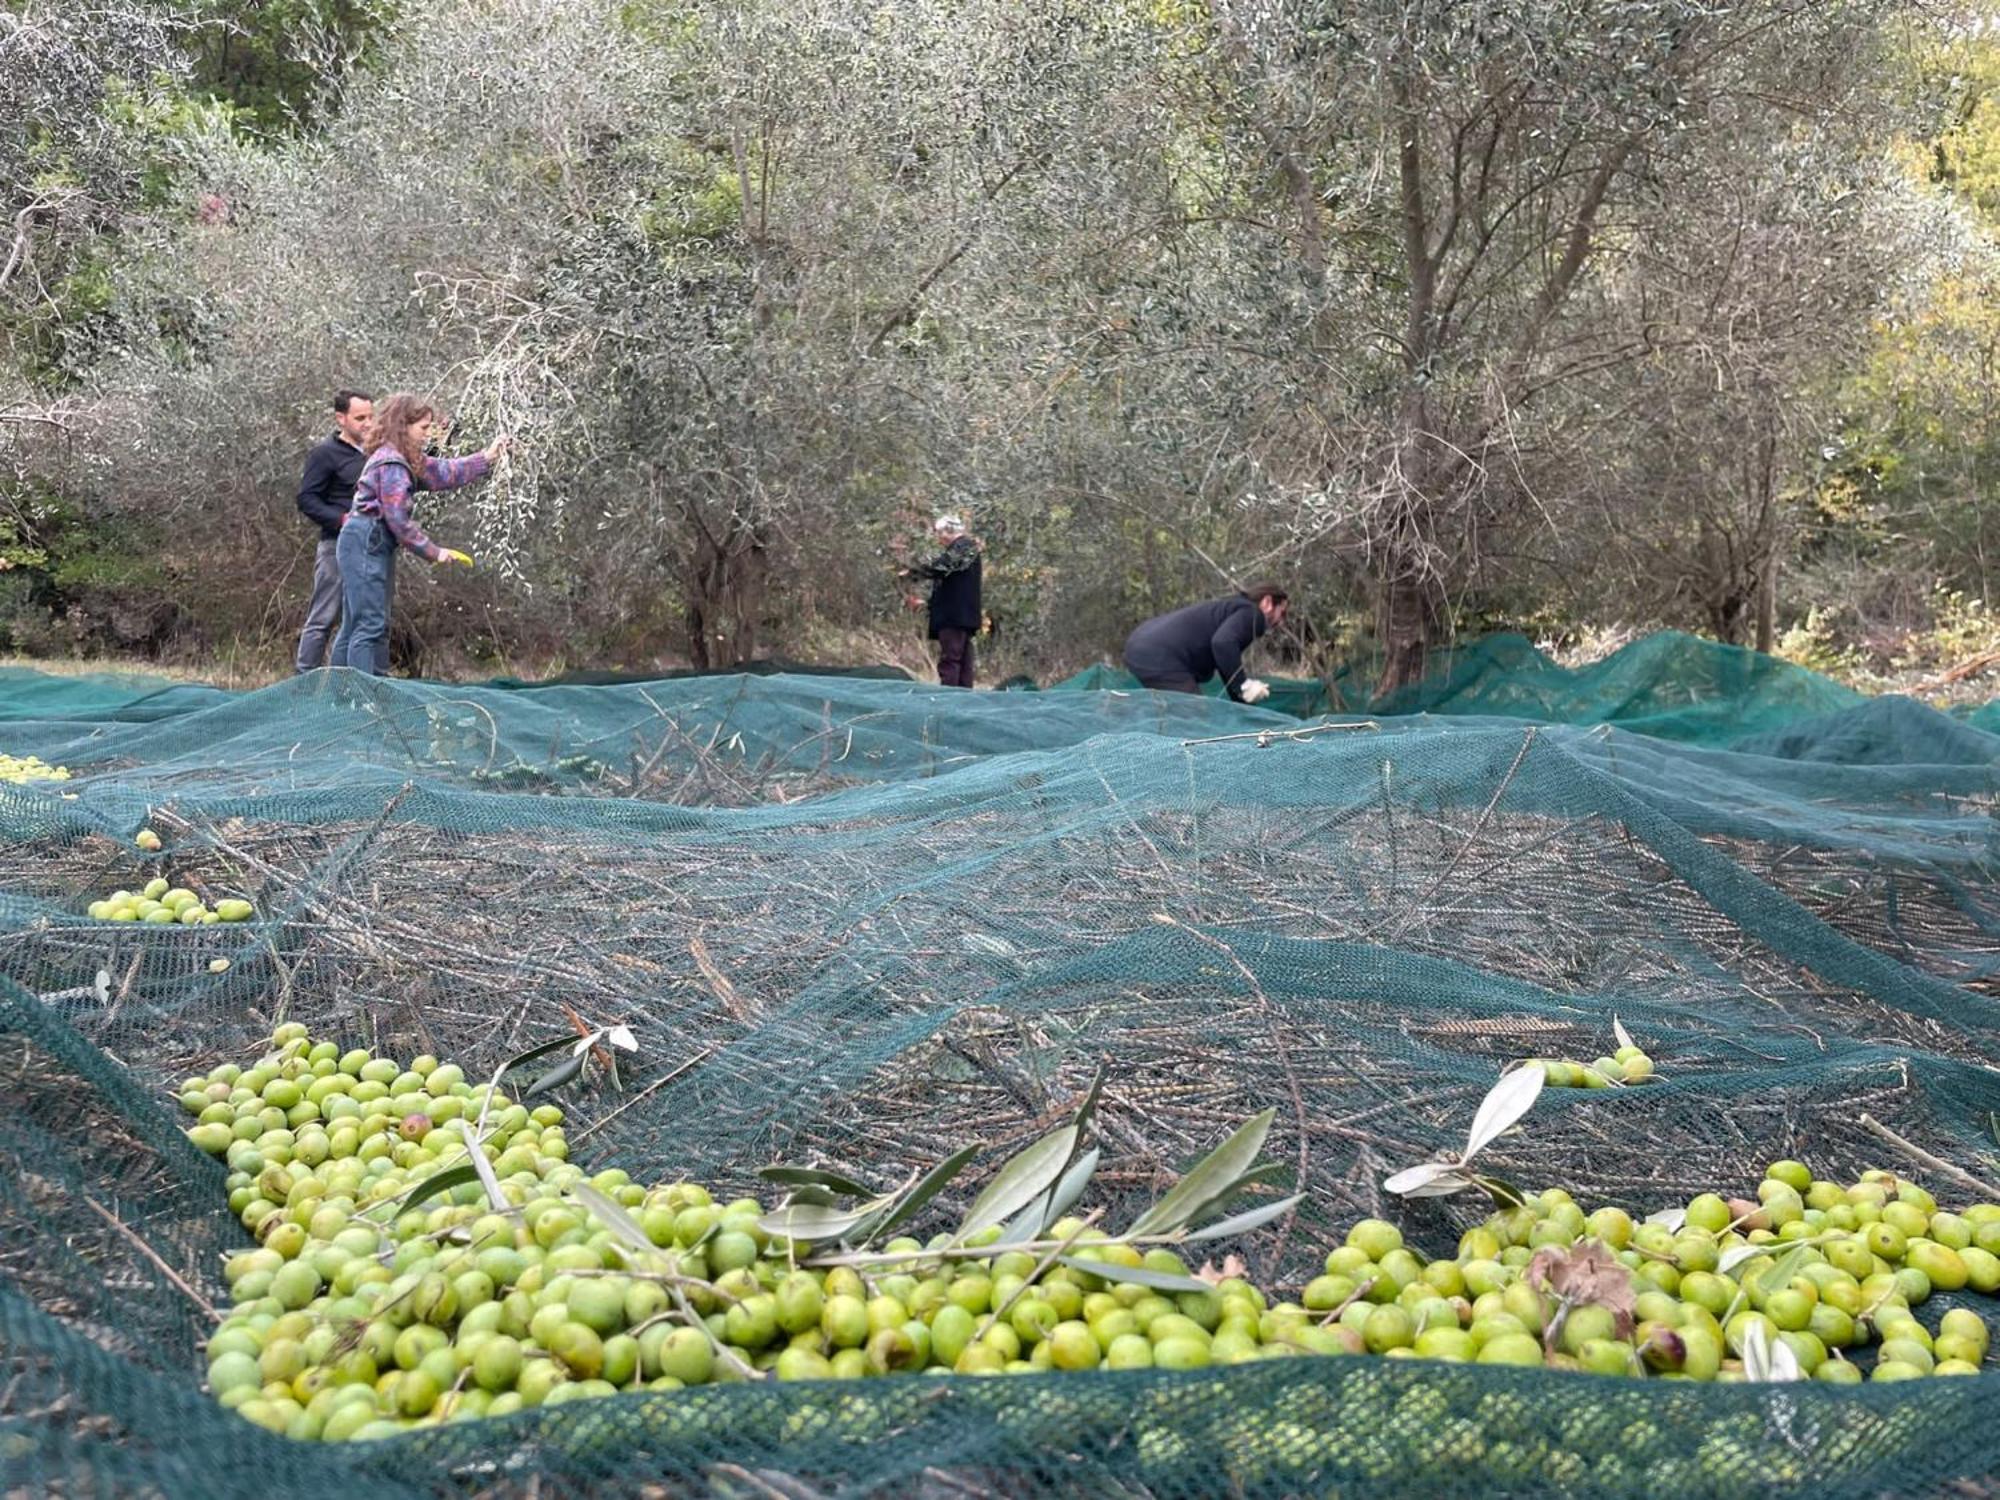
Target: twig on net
x=1936 y=1164
x=1265 y=737
x=147 y=1250
x=1277 y=1021
x=658 y=1083
x=1486 y=813
x=768 y=1483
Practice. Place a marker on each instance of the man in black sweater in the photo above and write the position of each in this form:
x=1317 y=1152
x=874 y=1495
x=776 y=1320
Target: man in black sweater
x=326 y=489
x=1178 y=652
x=955 y=575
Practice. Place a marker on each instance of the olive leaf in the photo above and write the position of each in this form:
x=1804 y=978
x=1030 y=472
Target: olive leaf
x=1159 y=1281
x=1766 y=1358
x=1249 y=1219
x=1781 y=1271
x=475 y=1148
x=1081 y=1119
x=1212 y=1178
x=614 y=1218
x=794 y=1177
x=540 y=1049
x=1020 y=1181
x=807 y=1192
x=928 y=1187
x=1257 y=1176
x=1503 y=1193
x=1674 y=1219
x=1624 y=1036
x=1428 y=1179
x=430 y=1187
x=1036 y=1216
x=813 y=1222
x=1029 y=1223
x=556 y=1077
x=1509 y=1099
x=1736 y=1255
x=579 y=1048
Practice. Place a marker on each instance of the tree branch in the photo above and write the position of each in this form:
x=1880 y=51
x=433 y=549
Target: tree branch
x=1416 y=229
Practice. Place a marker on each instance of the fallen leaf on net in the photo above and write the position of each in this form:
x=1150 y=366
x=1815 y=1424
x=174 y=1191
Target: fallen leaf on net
x=1232 y=1266
x=1590 y=1274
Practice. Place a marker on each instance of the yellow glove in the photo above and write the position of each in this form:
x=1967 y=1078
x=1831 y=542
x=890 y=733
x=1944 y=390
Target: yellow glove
x=446 y=554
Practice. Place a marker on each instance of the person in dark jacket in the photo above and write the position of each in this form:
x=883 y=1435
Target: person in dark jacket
x=1178 y=652
x=955 y=603
x=326 y=489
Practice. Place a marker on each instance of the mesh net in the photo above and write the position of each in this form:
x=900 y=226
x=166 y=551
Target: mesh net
x=865 y=921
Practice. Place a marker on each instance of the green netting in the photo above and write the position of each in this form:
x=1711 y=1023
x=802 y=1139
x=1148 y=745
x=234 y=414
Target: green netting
x=764 y=667
x=88 y=697
x=1301 y=697
x=1671 y=685
x=864 y=921
x=1667 y=684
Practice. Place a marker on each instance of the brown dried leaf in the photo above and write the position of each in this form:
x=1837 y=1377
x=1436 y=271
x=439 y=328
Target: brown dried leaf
x=1232 y=1267
x=1589 y=1274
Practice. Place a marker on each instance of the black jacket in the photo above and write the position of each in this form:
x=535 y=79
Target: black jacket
x=1198 y=642
x=326 y=488
x=955 y=584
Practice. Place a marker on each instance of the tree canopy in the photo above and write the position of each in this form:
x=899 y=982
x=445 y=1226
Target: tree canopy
x=1450 y=314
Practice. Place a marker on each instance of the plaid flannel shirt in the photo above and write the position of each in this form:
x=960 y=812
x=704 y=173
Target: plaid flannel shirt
x=383 y=492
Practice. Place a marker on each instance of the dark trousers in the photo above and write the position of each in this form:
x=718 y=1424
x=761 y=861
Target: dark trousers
x=367 y=556
x=954 y=656
x=323 y=611
x=1162 y=679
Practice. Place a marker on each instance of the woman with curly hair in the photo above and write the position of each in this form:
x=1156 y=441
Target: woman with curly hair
x=380 y=521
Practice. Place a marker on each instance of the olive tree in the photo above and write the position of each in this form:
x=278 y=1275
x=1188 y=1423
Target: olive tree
x=756 y=286
x=1482 y=169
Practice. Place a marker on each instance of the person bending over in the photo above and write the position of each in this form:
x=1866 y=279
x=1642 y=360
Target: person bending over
x=1178 y=652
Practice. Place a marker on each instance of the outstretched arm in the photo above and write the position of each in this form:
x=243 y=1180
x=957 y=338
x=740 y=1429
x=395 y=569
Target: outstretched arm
x=455 y=473
x=1231 y=639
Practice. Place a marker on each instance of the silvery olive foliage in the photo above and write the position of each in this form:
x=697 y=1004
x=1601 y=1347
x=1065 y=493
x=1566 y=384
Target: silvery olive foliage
x=79 y=88
x=1375 y=297
x=1492 y=173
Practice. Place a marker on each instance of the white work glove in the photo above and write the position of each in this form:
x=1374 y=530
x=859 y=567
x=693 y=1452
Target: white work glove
x=1255 y=690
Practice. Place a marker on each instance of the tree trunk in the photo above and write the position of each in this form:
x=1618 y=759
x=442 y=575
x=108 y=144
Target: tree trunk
x=1769 y=516
x=697 y=631
x=749 y=574
x=1410 y=597
x=1726 y=615
x=1410 y=618
x=724 y=592
x=703 y=600
x=1767 y=603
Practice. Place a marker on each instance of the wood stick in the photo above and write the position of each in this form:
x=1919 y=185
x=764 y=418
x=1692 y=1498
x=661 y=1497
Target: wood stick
x=147 y=1250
